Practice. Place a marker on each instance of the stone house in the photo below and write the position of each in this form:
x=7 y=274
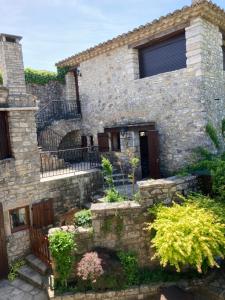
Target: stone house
x=163 y=81
x=117 y=96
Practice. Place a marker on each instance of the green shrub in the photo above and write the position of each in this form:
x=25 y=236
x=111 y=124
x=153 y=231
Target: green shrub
x=112 y=195
x=14 y=268
x=1 y=78
x=187 y=235
x=211 y=131
x=83 y=218
x=43 y=77
x=129 y=263
x=62 y=246
x=107 y=171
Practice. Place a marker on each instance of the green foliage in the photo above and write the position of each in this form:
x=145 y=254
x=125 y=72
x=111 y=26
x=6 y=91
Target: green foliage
x=187 y=235
x=62 y=245
x=216 y=207
x=43 y=77
x=112 y=195
x=1 y=78
x=83 y=218
x=211 y=131
x=107 y=171
x=129 y=263
x=14 y=268
x=134 y=162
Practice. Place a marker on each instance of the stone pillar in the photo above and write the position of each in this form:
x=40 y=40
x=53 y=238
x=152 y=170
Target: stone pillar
x=70 y=87
x=11 y=64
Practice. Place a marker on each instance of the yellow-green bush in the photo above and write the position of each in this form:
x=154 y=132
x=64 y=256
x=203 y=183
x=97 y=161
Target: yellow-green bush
x=187 y=235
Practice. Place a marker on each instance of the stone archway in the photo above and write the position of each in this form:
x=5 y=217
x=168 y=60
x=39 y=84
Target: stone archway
x=51 y=137
x=71 y=140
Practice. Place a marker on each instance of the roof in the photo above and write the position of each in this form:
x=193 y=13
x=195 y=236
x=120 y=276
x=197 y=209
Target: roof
x=204 y=8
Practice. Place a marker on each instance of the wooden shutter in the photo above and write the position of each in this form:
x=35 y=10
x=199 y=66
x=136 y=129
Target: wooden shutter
x=153 y=150
x=83 y=141
x=103 y=142
x=43 y=214
x=4 y=136
x=3 y=252
x=164 y=56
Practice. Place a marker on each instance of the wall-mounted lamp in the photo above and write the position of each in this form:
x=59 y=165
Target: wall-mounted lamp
x=124 y=131
x=78 y=72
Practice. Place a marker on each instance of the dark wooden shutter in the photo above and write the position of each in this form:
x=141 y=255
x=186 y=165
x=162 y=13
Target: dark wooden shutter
x=3 y=252
x=103 y=142
x=165 y=56
x=43 y=214
x=153 y=150
x=4 y=136
x=83 y=141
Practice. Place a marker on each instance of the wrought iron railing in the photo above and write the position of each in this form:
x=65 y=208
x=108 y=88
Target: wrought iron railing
x=61 y=162
x=49 y=140
x=56 y=110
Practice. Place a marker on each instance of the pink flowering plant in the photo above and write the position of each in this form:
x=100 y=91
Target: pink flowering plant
x=90 y=267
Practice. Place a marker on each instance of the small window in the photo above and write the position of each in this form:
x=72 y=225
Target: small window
x=19 y=218
x=4 y=136
x=115 y=141
x=163 y=56
x=223 y=48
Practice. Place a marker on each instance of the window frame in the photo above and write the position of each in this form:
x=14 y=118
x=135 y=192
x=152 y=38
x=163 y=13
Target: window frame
x=7 y=151
x=157 y=44
x=21 y=227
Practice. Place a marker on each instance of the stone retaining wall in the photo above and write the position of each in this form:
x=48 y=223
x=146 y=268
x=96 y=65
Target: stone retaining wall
x=147 y=292
x=120 y=226
x=70 y=190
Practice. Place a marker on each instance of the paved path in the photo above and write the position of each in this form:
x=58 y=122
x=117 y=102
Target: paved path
x=20 y=290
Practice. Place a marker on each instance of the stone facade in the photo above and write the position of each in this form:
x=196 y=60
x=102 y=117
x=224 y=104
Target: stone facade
x=52 y=91
x=181 y=102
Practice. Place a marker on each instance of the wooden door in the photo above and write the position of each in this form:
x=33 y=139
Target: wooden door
x=3 y=251
x=103 y=142
x=43 y=214
x=153 y=152
x=83 y=141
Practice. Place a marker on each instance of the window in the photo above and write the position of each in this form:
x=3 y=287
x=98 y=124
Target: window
x=91 y=140
x=4 y=136
x=19 y=218
x=223 y=48
x=115 y=141
x=164 y=56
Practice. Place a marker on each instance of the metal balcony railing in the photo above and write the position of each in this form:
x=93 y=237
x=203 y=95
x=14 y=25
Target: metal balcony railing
x=56 y=110
x=61 y=162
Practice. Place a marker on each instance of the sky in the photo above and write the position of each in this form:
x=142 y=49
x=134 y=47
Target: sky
x=55 y=29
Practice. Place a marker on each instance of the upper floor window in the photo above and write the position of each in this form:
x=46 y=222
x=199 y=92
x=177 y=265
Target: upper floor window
x=5 y=151
x=163 y=56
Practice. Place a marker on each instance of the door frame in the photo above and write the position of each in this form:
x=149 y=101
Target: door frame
x=4 y=266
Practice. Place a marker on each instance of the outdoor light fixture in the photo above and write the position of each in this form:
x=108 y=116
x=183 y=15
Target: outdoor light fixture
x=78 y=72
x=124 y=131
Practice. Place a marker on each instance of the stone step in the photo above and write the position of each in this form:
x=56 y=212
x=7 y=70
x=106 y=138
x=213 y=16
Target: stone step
x=122 y=182
x=31 y=276
x=36 y=264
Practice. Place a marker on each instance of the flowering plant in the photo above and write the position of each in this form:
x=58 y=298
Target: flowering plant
x=90 y=267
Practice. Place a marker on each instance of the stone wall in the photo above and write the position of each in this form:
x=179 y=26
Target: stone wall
x=180 y=102
x=52 y=91
x=120 y=226
x=69 y=191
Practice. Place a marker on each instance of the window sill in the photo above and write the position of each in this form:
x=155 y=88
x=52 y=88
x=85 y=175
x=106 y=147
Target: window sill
x=19 y=228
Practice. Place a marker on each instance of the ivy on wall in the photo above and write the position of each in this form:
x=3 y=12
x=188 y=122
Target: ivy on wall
x=43 y=77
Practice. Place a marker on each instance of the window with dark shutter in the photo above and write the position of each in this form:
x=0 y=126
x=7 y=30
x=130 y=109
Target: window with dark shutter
x=4 y=136
x=164 y=56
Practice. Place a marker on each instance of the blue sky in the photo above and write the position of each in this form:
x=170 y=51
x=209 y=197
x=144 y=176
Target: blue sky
x=55 y=29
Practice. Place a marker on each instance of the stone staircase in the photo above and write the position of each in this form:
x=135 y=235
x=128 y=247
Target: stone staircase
x=35 y=273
